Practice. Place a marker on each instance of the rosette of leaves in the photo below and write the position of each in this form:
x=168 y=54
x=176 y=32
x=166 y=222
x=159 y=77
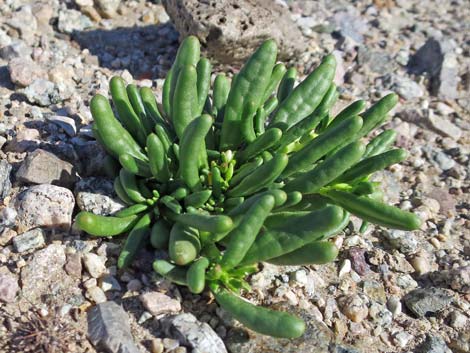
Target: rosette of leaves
x=223 y=175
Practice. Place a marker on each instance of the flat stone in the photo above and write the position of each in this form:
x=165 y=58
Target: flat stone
x=230 y=30
x=192 y=333
x=424 y=301
x=8 y=288
x=44 y=277
x=443 y=126
x=66 y=123
x=42 y=167
x=94 y=264
x=30 y=240
x=5 y=183
x=350 y=24
x=109 y=329
x=46 y=206
x=97 y=195
x=158 y=303
x=23 y=71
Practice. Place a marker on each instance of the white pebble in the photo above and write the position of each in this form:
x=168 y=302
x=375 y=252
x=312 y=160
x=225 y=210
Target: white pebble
x=345 y=268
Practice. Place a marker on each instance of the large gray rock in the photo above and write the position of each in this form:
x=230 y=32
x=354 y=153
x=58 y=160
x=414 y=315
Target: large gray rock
x=42 y=167
x=44 y=205
x=231 y=30
x=193 y=333
x=109 y=329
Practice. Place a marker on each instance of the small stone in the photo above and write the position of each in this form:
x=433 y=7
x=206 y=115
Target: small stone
x=156 y=345
x=42 y=167
x=421 y=264
x=72 y=20
x=109 y=329
x=358 y=260
x=44 y=206
x=194 y=334
x=424 y=301
x=406 y=88
x=30 y=240
x=107 y=8
x=433 y=344
x=158 y=303
x=380 y=315
x=402 y=338
x=354 y=307
x=25 y=140
x=5 y=183
x=8 y=288
x=345 y=268
x=24 y=22
x=96 y=294
x=74 y=265
x=90 y=283
x=458 y=320
x=94 y=264
x=42 y=92
x=443 y=126
x=144 y=317
x=350 y=24
x=16 y=49
x=374 y=290
x=23 y=71
x=134 y=285
x=394 y=305
x=66 y=123
x=109 y=283
x=403 y=241
x=97 y=195
x=84 y=2
x=405 y=281
x=6 y=236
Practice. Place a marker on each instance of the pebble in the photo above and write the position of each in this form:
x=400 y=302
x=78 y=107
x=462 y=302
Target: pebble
x=42 y=92
x=66 y=123
x=434 y=344
x=72 y=20
x=23 y=71
x=458 y=320
x=42 y=167
x=407 y=88
x=109 y=328
x=74 y=265
x=44 y=205
x=443 y=126
x=170 y=344
x=5 y=182
x=94 y=264
x=394 y=305
x=358 y=260
x=30 y=240
x=405 y=242
x=345 y=268
x=8 y=217
x=402 y=338
x=6 y=235
x=380 y=315
x=421 y=264
x=158 y=303
x=156 y=345
x=97 y=195
x=405 y=281
x=194 y=334
x=8 y=288
x=144 y=317
x=107 y=8
x=109 y=283
x=96 y=294
x=354 y=307
x=423 y=301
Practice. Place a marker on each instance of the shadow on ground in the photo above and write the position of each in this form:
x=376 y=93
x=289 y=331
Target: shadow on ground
x=146 y=52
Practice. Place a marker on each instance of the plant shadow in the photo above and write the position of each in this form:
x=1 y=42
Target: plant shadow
x=147 y=52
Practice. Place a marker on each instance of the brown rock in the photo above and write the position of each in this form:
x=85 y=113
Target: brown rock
x=73 y=266
x=23 y=71
x=42 y=167
x=231 y=30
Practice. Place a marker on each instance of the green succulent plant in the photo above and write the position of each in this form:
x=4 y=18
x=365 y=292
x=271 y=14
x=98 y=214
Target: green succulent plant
x=256 y=169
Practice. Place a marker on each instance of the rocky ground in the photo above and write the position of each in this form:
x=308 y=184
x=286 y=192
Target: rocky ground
x=389 y=291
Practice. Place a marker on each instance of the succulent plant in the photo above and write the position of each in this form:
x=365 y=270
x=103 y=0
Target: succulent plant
x=256 y=169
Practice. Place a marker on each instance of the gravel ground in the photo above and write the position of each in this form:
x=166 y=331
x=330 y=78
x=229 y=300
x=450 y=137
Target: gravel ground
x=388 y=291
